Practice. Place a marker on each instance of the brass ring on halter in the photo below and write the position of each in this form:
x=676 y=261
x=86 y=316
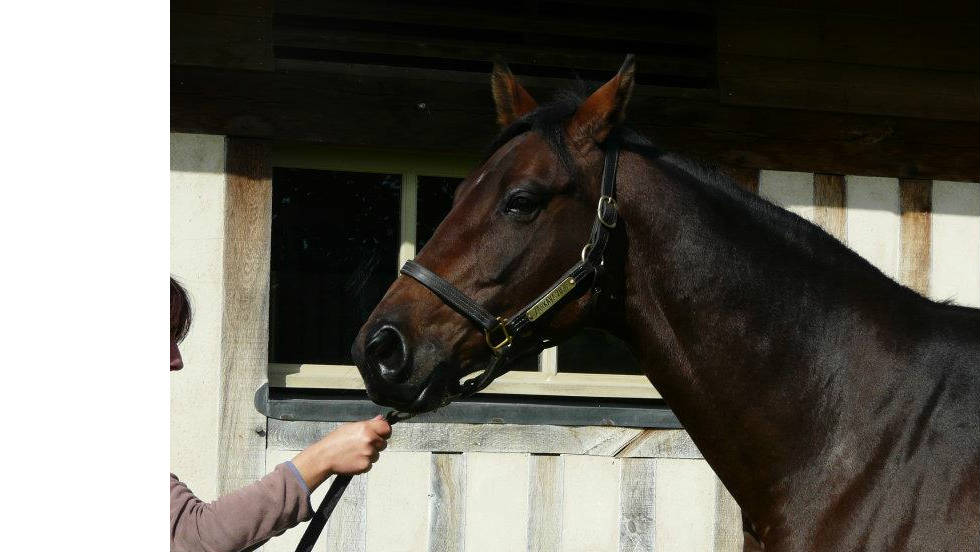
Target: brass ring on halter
x=610 y=202
x=505 y=341
x=586 y=250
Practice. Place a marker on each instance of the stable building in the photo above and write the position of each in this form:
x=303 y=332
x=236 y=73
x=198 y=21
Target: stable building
x=316 y=146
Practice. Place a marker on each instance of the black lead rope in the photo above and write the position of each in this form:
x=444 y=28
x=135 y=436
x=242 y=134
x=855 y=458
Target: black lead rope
x=336 y=490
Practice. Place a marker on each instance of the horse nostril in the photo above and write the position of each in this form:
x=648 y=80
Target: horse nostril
x=386 y=350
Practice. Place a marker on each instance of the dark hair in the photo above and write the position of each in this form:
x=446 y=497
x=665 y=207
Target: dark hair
x=180 y=312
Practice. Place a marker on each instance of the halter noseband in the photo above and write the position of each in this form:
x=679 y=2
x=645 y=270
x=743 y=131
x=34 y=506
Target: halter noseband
x=501 y=333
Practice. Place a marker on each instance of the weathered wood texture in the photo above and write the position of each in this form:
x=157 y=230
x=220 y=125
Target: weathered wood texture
x=347 y=527
x=506 y=501
x=450 y=111
x=728 y=520
x=915 y=197
x=830 y=204
x=446 y=506
x=821 y=59
x=746 y=178
x=850 y=88
x=221 y=40
x=245 y=320
x=544 y=503
x=924 y=234
x=637 y=521
x=533 y=439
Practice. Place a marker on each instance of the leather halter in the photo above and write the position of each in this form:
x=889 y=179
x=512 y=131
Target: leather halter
x=506 y=337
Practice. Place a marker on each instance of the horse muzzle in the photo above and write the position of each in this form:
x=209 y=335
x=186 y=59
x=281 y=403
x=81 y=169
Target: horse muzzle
x=395 y=373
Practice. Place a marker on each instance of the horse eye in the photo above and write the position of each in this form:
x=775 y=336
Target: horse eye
x=520 y=204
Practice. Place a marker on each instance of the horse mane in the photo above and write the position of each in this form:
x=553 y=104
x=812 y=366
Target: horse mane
x=706 y=179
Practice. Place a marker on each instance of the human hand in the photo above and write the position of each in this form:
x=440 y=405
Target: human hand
x=350 y=449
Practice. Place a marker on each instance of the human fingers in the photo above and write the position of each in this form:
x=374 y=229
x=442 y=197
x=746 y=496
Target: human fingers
x=380 y=426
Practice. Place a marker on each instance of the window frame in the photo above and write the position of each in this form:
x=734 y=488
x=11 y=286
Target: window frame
x=547 y=381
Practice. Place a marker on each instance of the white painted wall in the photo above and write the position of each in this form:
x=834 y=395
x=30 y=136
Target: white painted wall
x=197 y=206
x=955 y=235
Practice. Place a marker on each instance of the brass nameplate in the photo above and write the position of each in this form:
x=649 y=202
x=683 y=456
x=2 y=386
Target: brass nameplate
x=551 y=298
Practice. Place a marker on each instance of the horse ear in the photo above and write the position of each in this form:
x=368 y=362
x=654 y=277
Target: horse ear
x=606 y=107
x=512 y=101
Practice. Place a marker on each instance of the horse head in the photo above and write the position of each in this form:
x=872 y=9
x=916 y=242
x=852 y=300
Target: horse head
x=518 y=222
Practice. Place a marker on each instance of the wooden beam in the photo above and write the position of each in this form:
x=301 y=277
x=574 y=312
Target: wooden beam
x=532 y=439
x=442 y=111
x=567 y=384
x=830 y=204
x=245 y=320
x=220 y=40
x=291 y=40
x=747 y=179
x=915 y=200
x=569 y=22
x=848 y=88
x=786 y=32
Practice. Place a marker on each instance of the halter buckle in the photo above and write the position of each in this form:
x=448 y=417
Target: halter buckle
x=610 y=204
x=506 y=339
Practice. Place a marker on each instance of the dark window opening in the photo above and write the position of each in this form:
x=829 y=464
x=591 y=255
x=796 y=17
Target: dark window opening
x=595 y=351
x=334 y=254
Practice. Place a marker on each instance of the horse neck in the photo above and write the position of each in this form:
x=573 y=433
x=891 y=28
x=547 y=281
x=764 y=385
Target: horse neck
x=732 y=325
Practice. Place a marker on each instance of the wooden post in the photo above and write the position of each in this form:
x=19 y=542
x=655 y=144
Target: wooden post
x=245 y=320
x=746 y=178
x=916 y=203
x=830 y=200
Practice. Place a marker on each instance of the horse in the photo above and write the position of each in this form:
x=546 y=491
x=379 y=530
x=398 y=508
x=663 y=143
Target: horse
x=839 y=408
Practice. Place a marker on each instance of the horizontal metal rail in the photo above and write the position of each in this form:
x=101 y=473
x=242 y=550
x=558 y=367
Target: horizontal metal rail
x=318 y=405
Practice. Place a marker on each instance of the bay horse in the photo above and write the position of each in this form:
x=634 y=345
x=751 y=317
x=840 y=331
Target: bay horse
x=839 y=408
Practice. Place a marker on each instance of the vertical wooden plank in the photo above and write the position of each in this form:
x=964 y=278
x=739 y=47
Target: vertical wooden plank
x=637 y=530
x=446 y=506
x=548 y=361
x=346 y=529
x=728 y=521
x=684 y=510
x=873 y=222
x=545 y=503
x=496 y=502
x=408 y=216
x=245 y=320
x=747 y=179
x=830 y=208
x=397 y=502
x=956 y=242
x=792 y=191
x=915 y=204
x=590 y=509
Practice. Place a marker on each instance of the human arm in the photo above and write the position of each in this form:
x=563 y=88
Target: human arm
x=349 y=449
x=278 y=501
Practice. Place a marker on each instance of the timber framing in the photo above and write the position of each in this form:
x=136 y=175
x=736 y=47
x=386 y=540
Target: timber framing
x=245 y=319
x=453 y=113
x=857 y=88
